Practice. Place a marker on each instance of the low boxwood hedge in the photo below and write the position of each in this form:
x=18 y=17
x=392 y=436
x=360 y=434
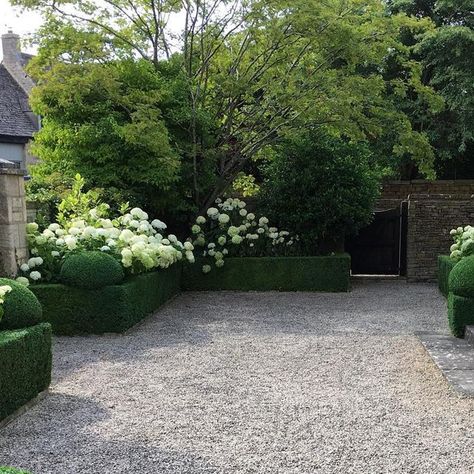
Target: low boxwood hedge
x=329 y=273
x=113 y=308
x=460 y=313
x=25 y=365
x=445 y=265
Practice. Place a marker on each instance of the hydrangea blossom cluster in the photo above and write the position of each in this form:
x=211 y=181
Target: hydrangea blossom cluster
x=138 y=243
x=4 y=290
x=463 y=242
x=229 y=229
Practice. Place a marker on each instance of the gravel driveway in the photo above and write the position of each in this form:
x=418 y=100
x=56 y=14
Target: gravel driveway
x=254 y=383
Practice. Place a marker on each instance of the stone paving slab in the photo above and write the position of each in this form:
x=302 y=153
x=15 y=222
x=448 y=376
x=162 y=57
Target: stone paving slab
x=454 y=357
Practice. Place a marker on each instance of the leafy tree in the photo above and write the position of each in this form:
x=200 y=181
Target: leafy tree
x=446 y=54
x=321 y=188
x=250 y=74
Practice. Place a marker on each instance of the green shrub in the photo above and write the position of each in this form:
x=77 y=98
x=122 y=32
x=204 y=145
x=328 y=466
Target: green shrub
x=321 y=189
x=461 y=278
x=445 y=265
x=330 y=273
x=460 y=313
x=113 y=308
x=25 y=366
x=11 y=470
x=91 y=270
x=21 y=308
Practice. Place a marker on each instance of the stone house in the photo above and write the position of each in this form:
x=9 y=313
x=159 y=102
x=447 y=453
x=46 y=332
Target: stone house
x=17 y=122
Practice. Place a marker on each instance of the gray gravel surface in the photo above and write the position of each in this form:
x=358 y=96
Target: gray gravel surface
x=254 y=383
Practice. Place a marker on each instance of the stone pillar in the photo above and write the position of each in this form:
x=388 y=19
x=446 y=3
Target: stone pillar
x=13 y=245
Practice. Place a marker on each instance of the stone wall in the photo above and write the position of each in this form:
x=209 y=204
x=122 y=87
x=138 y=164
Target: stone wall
x=400 y=190
x=13 y=246
x=430 y=218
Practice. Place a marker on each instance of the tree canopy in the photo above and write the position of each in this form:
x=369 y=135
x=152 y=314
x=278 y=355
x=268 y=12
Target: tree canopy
x=187 y=108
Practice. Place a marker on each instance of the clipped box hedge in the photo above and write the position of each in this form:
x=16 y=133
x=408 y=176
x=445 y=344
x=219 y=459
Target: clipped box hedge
x=460 y=313
x=25 y=366
x=329 y=273
x=113 y=308
x=445 y=265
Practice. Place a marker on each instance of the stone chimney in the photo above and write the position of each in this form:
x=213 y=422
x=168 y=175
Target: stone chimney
x=12 y=60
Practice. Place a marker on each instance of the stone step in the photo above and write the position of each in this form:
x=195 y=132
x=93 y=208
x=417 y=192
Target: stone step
x=454 y=357
x=469 y=335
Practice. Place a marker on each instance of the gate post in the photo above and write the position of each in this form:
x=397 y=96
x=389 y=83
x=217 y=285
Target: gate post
x=13 y=245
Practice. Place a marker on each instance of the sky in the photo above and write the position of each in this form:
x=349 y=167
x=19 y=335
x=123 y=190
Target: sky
x=23 y=23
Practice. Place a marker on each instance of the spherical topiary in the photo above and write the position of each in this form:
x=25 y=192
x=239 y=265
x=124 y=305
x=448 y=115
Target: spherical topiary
x=461 y=278
x=21 y=308
x=91 y=270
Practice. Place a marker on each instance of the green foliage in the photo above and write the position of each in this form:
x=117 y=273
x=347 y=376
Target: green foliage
x=445 y=265
x=116 y=308
x=331 y=273
x=105 y=122
x=11 y=470
x=320 y=188
x=246 y=185
x=175 y=133
x=77 y=204
x=91 y=270
x=460 y=313
x=461 y=278
x=21 y=308
x=25 y=366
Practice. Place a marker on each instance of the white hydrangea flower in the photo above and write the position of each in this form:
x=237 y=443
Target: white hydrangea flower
x=157 y=224
x=55 y=253
x=243 y=212
x=24 y=267
x=219 y=263
x=236 y=239
x=195 y=229
x=213 y=212
x=188 y=246
x=222 y=240
x=206 y=268
x=250 y=216
x=263 y=221
x=23 y=281
x=105 y=248
x=200 y=220
x=224 y=218
x=31 y=227
x=35 y=276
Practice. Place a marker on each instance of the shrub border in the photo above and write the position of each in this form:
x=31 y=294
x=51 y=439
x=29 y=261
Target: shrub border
x=111 y=309
x=25 y=366
x=328 y=273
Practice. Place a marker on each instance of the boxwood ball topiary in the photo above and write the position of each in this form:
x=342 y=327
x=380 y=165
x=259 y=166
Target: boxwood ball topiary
x=21 y=308
x=461 y=278
x=91 y=270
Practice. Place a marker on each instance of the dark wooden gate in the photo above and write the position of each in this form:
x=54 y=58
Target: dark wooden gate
x=380 y=248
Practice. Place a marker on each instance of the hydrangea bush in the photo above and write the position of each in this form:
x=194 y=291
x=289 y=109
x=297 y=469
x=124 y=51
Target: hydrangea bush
x=463 y=242
x=4 y=290
x=229 y=229
x=139 y=244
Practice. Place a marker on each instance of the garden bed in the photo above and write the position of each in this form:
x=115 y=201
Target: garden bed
x=445 y=265
x=113 y=308
x=25 y=366
x=329 y=273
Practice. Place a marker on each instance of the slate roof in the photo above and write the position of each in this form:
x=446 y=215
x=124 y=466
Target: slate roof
x=14 y=119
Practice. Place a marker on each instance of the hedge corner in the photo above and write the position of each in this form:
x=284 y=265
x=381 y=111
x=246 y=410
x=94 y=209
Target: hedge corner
x=25 y=366
x=445 y=265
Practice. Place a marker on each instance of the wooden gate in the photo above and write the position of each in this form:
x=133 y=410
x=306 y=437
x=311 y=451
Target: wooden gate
x=380 y=248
